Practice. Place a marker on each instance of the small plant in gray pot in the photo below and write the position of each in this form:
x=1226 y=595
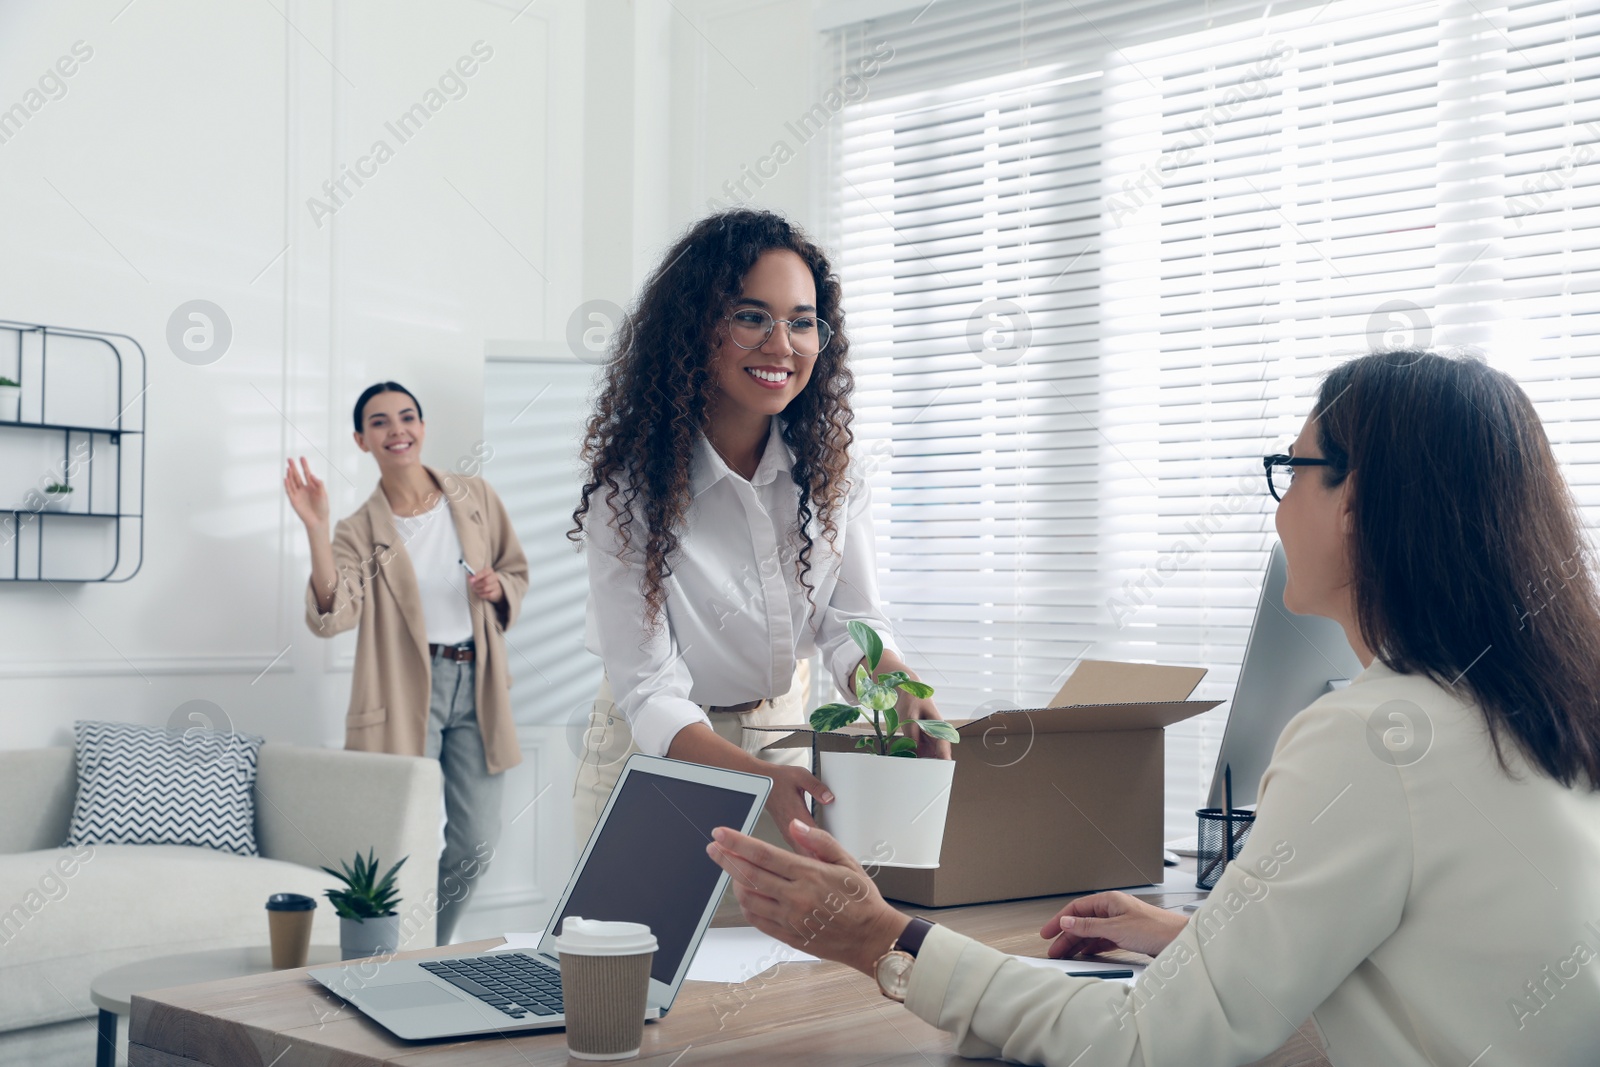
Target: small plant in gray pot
x=57 y=496
x=368 y=922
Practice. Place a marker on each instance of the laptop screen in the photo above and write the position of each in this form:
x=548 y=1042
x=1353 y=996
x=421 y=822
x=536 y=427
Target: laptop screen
x=649 y=864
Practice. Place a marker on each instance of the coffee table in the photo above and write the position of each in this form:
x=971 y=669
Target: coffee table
x=111 y=990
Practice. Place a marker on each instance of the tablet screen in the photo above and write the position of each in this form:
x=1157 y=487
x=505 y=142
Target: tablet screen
x=649 y=863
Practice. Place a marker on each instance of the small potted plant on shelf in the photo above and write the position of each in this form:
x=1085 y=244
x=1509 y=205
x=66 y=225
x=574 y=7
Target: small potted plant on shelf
x=368 y=922
x=10 y=399
x=889 y=807
x=57 y=496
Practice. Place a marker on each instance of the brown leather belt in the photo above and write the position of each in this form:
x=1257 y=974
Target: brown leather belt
x=459 y=653
x=739 y=709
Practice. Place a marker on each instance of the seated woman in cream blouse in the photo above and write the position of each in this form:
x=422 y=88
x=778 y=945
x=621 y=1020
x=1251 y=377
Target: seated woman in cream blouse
x=1433 y=902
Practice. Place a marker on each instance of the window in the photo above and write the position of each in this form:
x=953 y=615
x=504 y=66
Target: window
x=1096 y=257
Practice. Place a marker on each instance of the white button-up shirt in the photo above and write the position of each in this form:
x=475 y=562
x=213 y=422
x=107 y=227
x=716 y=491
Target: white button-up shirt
x=737 y=619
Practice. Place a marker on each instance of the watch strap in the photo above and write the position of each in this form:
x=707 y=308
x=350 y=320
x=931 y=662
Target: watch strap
x=911 y=938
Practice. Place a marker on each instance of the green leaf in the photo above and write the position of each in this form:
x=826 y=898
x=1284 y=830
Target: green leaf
x=920 y=690
x=867 y=742
x=867 y=639
x=880 y=697
x=903 y=746
x=940 y=729
x=891 y=721
x=366 y=896
x=834 y=717
x=893 y=678
x=863 y=682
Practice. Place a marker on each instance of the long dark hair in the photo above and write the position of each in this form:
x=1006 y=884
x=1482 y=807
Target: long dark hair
x=1469 y=560
x=653 y=406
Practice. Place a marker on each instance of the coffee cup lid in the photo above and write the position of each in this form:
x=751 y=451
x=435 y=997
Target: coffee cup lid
x=594 y=937
x=290 y=902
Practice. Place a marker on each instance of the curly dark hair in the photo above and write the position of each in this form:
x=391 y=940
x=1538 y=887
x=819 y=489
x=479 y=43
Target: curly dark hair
x=654 y=403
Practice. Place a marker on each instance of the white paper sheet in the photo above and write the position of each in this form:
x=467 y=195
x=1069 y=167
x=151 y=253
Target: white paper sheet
x=519 y=942
x=730 y=954
x=1173 y=880
x=739 y=953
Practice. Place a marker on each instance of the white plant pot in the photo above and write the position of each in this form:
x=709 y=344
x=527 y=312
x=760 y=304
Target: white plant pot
x=360 y=938
x=887 y=811
x=10 y=402
x=57 y=501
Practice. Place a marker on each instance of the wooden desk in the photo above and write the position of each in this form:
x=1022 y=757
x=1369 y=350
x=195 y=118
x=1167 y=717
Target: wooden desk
x=798 y=1013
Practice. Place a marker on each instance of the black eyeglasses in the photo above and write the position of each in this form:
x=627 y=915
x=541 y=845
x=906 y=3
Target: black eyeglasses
x=1280 y=471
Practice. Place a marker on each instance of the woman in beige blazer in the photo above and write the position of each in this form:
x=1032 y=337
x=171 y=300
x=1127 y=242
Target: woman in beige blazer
x=1422 y=880
x=430 y=673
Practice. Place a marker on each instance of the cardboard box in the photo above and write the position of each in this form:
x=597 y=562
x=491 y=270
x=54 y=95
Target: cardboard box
x=1062 y=799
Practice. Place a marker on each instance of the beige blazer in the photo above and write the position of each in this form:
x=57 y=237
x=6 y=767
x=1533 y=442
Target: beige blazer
x=377 y=593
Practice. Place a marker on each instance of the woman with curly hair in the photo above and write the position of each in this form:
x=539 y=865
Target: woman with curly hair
x=726 y=541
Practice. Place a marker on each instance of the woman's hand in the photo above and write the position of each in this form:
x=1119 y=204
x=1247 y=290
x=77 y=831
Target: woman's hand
x=786 y=803
x=1103 y=921
x=486 y=584
x=912 y=708
x=817 y=898
x=307 y=495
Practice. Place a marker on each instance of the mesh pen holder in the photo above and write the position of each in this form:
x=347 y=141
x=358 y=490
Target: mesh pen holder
x=1215 y=828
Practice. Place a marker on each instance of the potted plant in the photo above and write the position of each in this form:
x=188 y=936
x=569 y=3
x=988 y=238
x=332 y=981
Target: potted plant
x=10 y=399
x=57 y=496
x=368 y=922
x=889 y=807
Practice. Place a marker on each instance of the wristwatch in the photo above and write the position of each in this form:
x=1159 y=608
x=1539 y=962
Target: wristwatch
x=893 y=968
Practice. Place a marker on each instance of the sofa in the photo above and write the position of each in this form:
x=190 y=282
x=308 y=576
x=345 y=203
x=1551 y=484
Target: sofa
x=66 y=915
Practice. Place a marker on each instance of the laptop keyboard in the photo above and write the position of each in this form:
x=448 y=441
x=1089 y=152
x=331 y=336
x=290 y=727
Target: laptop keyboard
x=513 y=982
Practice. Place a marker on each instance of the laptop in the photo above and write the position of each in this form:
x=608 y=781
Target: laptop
x=645 y=862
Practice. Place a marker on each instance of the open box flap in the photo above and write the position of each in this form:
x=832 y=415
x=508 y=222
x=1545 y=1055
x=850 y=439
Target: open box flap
x=1096 y=681
x=1090 y=718
x=1087 y=718
x=1100 y=695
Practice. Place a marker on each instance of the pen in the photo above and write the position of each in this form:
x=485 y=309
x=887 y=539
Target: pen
x=1126 y=972
x=1227 y=812
x=469 y=570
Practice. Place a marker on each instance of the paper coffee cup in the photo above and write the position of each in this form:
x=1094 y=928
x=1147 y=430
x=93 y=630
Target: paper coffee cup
x=289 y=925
x=605 y=984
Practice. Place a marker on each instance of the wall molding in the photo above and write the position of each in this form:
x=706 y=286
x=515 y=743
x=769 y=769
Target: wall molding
x=518 y=350
x=507 y=898
x=133 y=666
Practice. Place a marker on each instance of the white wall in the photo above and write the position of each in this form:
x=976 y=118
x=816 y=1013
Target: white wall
x=177 y=164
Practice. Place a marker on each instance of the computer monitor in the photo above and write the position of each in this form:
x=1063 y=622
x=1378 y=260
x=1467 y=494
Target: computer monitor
x=1289 y=661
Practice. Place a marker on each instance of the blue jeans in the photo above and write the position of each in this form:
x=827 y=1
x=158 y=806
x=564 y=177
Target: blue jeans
x=472 y=796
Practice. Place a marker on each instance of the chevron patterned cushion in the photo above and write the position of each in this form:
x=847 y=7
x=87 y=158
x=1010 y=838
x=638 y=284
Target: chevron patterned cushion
x=141 y=785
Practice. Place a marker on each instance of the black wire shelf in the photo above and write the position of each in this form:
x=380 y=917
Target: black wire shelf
x=86 y=447
x=111 y=430
x=71 y=514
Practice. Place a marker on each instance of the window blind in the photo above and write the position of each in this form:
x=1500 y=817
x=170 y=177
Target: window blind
x=1096 y=258
x=533 y=415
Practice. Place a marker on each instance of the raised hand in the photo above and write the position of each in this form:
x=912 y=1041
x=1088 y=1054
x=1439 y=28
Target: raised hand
x=307 y=495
